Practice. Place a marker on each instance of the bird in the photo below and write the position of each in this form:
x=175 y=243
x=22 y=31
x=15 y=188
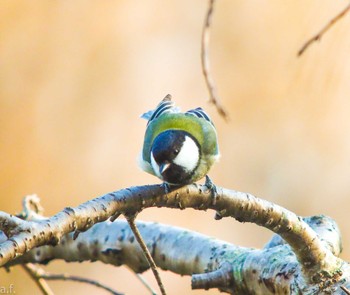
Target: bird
x=179 y=147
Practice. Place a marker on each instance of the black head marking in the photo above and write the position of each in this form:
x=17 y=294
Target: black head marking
x=166 y=146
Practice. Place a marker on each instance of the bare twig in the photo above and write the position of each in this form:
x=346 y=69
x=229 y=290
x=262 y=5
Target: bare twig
x=152 y=264
x=34 y=271
x=347 y=291
x=318 y=36
x=145 y=283
x=205 y=61
x=39 y=275
x=65 y=277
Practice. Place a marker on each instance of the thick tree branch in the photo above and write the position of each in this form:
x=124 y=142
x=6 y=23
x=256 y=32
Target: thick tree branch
x=244 y=207
x=315 y=256
x=217 y=264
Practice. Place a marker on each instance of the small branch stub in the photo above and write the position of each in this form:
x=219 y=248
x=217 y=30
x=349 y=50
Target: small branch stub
x=222 y=277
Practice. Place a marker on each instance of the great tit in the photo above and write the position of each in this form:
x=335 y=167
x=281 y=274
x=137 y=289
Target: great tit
x=179 y=148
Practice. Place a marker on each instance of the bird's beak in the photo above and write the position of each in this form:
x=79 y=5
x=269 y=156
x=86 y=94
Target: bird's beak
x=163 y=167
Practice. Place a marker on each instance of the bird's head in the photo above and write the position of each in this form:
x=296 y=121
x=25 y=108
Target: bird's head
x=175 y=155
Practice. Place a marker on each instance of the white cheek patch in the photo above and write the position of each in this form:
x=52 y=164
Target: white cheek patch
x=155 y=166
x=188 y=156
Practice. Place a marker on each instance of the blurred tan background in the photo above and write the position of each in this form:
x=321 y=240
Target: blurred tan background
x=76 y=75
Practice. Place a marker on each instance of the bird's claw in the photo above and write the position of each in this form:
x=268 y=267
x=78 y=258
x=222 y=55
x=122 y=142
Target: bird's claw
x=212 y=187
x=214 y=192
x=166 y=187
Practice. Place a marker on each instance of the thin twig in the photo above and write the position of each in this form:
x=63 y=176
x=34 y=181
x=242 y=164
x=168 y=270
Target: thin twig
x=145 y=283
x=137 y=234
x=205 y=61
x=318 y=36
x=34 y=271
x=66 y=277
x=346 y=290
x=40 y=275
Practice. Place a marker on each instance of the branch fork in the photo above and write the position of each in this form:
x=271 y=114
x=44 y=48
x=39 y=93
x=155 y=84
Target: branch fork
x=307 y=249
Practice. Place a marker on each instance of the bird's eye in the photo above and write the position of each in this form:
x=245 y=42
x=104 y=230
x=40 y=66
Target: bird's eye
x=176 y=152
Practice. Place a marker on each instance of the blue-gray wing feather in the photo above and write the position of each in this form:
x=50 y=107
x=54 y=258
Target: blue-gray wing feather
x=165 y=106
x=200 y=113
x=168 y=106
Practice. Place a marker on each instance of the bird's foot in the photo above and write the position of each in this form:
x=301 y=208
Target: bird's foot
x=214 y=192
x=169 y=187
x=166 y=187
x=212 y=187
